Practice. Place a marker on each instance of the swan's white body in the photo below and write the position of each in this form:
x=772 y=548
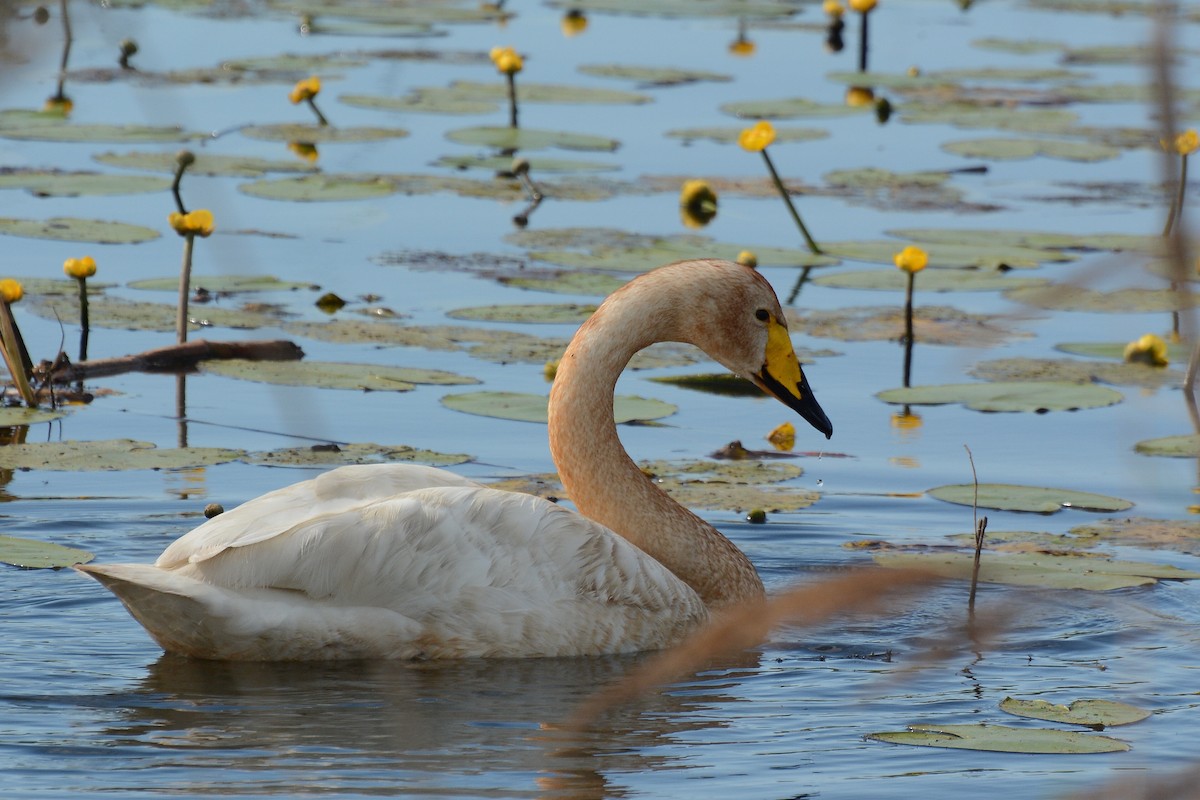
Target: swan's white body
x=401 y=561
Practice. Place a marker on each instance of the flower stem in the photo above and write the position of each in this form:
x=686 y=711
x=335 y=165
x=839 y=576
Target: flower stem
x=1177 y=202
x=66 y=51
x=908 y=328
x=512 y=99
x=185 y=279
x=788 y=200
x=83 y=319
x=862 y=42
x=180 y=166
x=313 y=105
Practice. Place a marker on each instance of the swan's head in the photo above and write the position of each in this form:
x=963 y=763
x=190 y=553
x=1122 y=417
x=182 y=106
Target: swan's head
x=742 y=325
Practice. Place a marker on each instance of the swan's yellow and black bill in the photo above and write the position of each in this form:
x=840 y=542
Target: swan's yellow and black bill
x=782 y=378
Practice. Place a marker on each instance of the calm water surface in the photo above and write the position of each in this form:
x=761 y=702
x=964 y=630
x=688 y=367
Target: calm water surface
x=90 y=707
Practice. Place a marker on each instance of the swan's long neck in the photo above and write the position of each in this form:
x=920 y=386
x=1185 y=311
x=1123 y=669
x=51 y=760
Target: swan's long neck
x=604 y=483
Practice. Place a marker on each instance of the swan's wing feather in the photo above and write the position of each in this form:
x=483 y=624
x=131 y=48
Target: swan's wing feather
x=277 y=512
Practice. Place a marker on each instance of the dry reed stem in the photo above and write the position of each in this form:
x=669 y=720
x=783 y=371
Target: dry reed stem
x=748 y=625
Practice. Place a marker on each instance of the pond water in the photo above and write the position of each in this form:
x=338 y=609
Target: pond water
x=89 y=706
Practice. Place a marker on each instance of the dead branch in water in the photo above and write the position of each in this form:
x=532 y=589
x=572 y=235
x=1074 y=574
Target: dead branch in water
x=177 y=358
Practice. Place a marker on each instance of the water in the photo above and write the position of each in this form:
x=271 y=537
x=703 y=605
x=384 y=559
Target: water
x=90 y=707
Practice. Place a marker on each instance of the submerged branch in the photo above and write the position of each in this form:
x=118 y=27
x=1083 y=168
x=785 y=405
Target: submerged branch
x=179 y=357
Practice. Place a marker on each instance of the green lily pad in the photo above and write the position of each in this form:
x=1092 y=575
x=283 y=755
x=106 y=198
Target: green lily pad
x=942 y=280
x=1001 y=739
x=334 y=375
x=940 y=325
x=875 y=178
x=586 y=283
x=561 y=313
x=55 y=183
x=1035 y=499
x=732 y=9
x=392 y=13
x=1035 y=396
x=72 y=229
x=730 y=134
x=654 y=76
x=982 y=254
x=1084 y=571
x=121 y=134
x=1019 y=46
x=965 y=115
x=32 y=554
x=223 y=284
x=425 y=101
x=1184 y=446
x=537 y=165
x=529 y=92
x=120 y=314
x=355 y=453
x=1035 y=240
x=205 y=164
x=109 y=454
x=1061 y=297
x=790 y=108
x=1068 y=369
x=321 y=188
x=1098 y=714
x=532 y=407
x=1009 y=149
x=503 y=138
x=320 y=134
x=1179 y=535
x=11 y=416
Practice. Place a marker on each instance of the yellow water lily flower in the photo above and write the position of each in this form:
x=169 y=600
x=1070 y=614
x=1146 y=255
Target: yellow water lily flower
x=80 y=267
x=59 y=103
x=1150 y=349
x=859 y=96
x=783 y=437
x=306 y=89
x=507 y=60
x=1187 y=142
x=911 y=259
x=305 y=150
x=11 y=290
x=193 y=223
x=742 y=47
x=755 y=139
x=573 y=23
x=833 y=8
x=863 y=6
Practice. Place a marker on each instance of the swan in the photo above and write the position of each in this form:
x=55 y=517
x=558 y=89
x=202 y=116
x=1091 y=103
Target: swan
x=411 y=562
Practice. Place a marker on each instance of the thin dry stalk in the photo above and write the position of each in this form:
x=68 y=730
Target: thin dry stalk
x=747 y=626
x=16 y=357
x=980 y=526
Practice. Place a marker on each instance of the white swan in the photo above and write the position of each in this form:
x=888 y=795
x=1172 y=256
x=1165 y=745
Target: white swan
x=399 y=561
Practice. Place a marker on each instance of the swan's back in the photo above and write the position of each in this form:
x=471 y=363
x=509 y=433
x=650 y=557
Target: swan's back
x=402 y=562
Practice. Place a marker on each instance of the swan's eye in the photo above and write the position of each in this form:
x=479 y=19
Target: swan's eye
x=762 y=314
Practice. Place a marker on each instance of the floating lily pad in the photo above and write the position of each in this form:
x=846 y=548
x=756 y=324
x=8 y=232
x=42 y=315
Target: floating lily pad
x=224 y=284
x=732 y=9
x=1008 y=149
x=532 y=407
x=965 y=115
x=1063 y=297
x=1035 y=240
x=1184 y=446
x=984 y=253
x=942 y=280
x=931 y=325
x=1019 y=46
x=56 y=183
x=11 y=416
x=1036 y=499
x=425 y=101
x=1180 y=535
x=1098 y=714
x=731 y=485
x=1002 y=739
x=109 y=454
x=391 y=13
x=205 y=164
x=122 y=134
x=587 y=283
x=504 y=138
x=320 y=134
x=1042 y=570
x=32 y=554
x=730 y=134
x=118 y=313
x=355 y=453
x=321 y=188
x=653 y=76
x=561 y=313
x=1035 y=396
x=1067 y=369
x=72 y=229
x=334 y=375
x=790 y=108
x=294 y=63
x=537 y=164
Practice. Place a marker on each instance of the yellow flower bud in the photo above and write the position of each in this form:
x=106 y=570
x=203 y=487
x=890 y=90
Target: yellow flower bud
x=193 y=223
x=507 y=60
x=11 y=291
x=1149 y=349
x=911 y=259
x=80 y=267
x=756 y=139
x=833 y=8
x=306 y=89
x=573 y=23
x=859 y=96
x=60 y=104
x=1187 y=142
x=783 y=437
x=863 y=6
x=305 y=150
x=748 y=259
x=742 y=47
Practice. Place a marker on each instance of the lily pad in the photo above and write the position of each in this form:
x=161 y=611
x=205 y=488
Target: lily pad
x=790 y=108
x=1035 y=396
x=11 y=416
x=1009 y=149
x=732 y=9
x=32 y=554
x=653 y=76
x=1035 y=240
x=586 y=283
x=562 y=313
x=1179 y=535
x=205 y=164
x=320 y=188
x=1088 y=572
x=730 y=134
x=73 y=229
x=56 y=183
x=943 y=280
x=334 y=375
x=122 y=134
x=320 y=134
x=108 y=454
x=120 y=314
x=1183 y=446
x=1073 y=370
x=983 y=253
x=1036 y=499
x=1097 y=714
x=940 y=325
x=532 y=407
x=504 y=138
x=537 y=165
x=966 y=115
x=1063 y=297
x=1001 y=739
x=355 y=453
x=223 y=284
